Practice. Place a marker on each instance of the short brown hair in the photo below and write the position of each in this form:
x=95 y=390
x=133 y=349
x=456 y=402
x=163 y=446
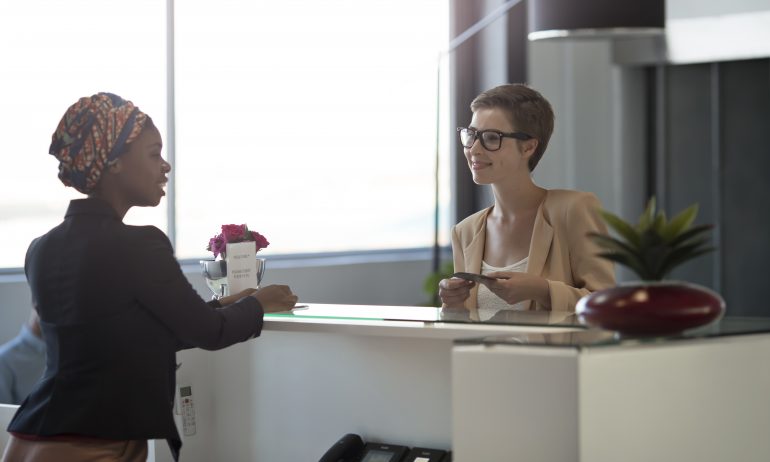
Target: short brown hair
x=527 y=110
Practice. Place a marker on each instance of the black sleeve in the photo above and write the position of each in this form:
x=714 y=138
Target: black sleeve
x=162 y=288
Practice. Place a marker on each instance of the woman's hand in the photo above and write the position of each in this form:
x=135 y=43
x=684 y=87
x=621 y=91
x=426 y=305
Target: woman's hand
x=275 y=298
x=230 y=299
x=514 y=287
x=454 y=291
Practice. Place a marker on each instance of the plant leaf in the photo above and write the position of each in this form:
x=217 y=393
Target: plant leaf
x=660 y=222
x=690 y=234
x=430 y=284
x=610 y=243
x=625 y=260
x=678 y=255
x=616 y=246
x=648 y=216
x=673 y=263
x=625 y=230
x=680 y=223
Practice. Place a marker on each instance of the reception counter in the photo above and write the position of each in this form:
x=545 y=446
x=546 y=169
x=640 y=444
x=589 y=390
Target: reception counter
x=522 y=386
x=594 y=396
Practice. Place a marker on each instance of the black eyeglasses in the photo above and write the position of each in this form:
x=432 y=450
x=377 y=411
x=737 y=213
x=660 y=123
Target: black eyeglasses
x=490 y=139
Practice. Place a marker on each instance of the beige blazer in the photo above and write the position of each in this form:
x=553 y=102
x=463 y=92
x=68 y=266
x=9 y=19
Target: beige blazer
x=559 y=251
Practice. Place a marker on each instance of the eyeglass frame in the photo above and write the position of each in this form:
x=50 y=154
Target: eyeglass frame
x=479 y=135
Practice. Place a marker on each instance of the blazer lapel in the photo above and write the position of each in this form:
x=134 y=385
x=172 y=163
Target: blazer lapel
x=542 y=235
x=475 y=253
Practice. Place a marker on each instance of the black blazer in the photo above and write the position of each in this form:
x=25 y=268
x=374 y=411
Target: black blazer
x=114 y=309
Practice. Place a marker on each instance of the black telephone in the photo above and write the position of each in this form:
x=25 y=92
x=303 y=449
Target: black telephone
x=347 y=448
x=351 y=448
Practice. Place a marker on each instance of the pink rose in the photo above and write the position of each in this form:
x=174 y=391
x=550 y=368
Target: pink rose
x=234 y=233
x=260 y=240
x=217 y=245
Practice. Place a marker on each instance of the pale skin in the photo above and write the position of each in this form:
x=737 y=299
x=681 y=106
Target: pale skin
x=510 y=223
x=137 y=178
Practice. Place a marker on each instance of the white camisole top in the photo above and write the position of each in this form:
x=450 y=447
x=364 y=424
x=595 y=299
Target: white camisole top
x=488 y=302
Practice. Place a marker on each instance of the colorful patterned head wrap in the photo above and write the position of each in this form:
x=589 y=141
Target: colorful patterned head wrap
x=91 y=135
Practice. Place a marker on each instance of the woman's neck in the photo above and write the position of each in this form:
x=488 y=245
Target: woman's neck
x=113 y=200
x=517 y=197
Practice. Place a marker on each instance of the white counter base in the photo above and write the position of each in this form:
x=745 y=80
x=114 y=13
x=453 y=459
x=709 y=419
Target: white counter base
x=289 y=395
x=697 y=400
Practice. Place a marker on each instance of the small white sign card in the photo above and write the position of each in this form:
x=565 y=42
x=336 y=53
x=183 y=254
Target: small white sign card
x=241 y=266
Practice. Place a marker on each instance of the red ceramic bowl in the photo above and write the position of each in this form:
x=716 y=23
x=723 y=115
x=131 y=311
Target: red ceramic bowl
x=651 y=308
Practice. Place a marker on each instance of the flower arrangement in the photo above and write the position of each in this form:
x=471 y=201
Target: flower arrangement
x=235 y=233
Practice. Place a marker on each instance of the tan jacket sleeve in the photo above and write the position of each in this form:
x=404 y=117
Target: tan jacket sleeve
x=589 y=272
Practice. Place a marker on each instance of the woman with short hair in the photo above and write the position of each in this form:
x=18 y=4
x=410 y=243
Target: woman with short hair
x=532 y=240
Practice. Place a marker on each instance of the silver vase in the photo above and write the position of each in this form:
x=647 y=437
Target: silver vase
x=215 y=274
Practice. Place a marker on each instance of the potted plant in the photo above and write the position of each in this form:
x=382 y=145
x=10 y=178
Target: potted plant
x=652 y=249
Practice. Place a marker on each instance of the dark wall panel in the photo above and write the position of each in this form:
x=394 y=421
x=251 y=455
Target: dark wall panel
x=517 y=43
x=464 y=84
x=712 y=131
x=687 y=156
x=745 y=120
x=470 y=67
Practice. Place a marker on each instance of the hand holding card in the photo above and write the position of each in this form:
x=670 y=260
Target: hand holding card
x=478 y=278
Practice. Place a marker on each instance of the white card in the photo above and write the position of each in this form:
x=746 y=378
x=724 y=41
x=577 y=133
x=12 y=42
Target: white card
x=241 y=266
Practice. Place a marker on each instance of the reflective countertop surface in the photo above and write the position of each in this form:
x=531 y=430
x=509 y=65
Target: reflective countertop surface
x=577 y=336
x=583 y=338
x=429 y=314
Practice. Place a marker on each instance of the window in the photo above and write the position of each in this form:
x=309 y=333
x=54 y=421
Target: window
x=53 y=53
x=312 y=122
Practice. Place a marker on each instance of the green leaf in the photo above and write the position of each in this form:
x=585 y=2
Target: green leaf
x=610 y=243
x=673 y=263
x=679 y=255
x=625 y=230
x=616 y=246
x=648 y=216
x=652 y=250
x=654 y=246
x=430 y=283
x=625 y=260
x=680 y=223
x=660 y=223
x=690 y=234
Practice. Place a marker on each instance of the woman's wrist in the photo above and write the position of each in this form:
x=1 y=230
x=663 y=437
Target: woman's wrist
x=542 y=295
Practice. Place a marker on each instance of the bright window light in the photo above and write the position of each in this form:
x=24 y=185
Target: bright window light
x=312 y=122
x=53 y=53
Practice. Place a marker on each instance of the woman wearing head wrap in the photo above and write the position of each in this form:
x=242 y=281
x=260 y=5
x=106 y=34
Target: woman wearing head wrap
x=113 y=303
